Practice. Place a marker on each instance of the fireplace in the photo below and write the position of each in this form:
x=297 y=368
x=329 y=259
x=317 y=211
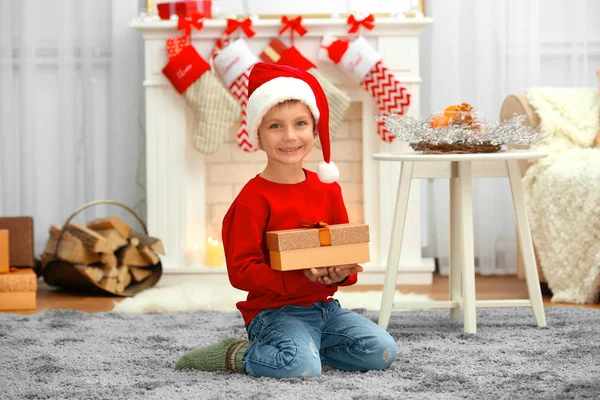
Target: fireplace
x=188 y=192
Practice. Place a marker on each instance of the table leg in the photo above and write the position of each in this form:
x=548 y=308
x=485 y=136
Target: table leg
x=531 y=274
x=393 y=261
x=468 y=259
x=454 y=275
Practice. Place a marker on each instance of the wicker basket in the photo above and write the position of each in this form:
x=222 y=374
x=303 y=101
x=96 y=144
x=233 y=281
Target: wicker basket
x=63 y=274
x=444 y=148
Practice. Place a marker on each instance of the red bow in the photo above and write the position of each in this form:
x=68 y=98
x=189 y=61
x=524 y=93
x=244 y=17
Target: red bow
x=368 y=22
x=293 y=24
x=234 y=24
x=186 y=24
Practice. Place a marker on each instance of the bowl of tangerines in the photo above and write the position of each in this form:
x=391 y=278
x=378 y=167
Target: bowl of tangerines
x=459 y=129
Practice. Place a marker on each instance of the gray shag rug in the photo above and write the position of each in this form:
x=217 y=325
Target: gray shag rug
x=74 y=355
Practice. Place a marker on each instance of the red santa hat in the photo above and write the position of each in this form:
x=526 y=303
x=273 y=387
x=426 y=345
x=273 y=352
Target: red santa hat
x=271 y=84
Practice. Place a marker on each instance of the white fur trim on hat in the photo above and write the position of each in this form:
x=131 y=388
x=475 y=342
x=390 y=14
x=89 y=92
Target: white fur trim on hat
x=272 y=93
x=328 y=172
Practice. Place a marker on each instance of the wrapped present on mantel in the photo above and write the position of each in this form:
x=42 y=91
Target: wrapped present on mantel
x=18 y=289
x=319 y=246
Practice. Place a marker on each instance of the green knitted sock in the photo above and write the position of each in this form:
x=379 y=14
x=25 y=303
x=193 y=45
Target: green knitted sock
x=224 y=356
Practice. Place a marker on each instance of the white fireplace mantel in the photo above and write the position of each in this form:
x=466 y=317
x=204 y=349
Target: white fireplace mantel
x=176 y=195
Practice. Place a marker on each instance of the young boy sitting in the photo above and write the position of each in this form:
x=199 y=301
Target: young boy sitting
x=293 y=323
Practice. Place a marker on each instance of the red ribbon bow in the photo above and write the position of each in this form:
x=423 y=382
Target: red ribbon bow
x=293 y=24
x=368 y=22
x=234 y=24
x=187 y=23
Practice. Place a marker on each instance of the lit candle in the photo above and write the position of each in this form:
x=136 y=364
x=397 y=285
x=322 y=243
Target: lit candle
x=215 y=255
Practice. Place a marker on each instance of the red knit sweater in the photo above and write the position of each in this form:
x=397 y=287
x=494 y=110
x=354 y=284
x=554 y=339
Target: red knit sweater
x=265 y=206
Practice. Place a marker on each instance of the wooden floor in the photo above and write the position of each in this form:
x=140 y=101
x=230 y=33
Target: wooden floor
x=488 y=288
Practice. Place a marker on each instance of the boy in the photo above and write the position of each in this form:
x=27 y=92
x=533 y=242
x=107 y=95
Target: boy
x=293 y=323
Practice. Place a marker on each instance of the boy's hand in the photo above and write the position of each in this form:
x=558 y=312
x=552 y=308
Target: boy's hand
x=338 y=273
x=316 y=273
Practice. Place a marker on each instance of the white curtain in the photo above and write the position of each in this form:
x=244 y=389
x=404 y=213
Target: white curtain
x=480 y=51
x=71 y=109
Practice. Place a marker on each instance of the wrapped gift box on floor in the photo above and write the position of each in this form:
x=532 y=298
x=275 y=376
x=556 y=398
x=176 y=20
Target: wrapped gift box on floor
x=18 y=290
x=320 y=246
x=21 y=240
x=4 y=251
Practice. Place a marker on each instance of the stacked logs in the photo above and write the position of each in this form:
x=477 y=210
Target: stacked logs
x=107 y=251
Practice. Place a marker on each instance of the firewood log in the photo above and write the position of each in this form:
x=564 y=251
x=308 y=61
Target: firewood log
x=111 y=223
x=94 y=273
x=109 y=284
x=123 y=278
x=114 y=238
x=71 y=248
x=110 y=272
x=130 y=255
x=152 y=242
x=92 y=240
x=139 y=274
x=149 y=255
x=109 y=259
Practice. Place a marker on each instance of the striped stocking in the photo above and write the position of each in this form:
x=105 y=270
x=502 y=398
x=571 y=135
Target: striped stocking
x=364 y=66
x=233 y=64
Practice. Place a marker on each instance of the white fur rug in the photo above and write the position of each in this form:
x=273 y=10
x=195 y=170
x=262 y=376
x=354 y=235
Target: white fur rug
x=197 y=297
x=563 y=194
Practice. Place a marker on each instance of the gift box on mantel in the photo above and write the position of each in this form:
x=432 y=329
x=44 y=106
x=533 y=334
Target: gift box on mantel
x=18 y=289
x=184 y=9
x=319 y=246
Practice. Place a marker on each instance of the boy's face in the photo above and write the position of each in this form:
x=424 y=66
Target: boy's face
x=286 y=133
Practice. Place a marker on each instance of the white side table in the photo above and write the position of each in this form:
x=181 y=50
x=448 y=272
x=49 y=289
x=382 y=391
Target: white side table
x=460 y=169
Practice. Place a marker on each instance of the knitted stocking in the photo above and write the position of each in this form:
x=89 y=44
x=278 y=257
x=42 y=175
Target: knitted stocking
x=216 y=109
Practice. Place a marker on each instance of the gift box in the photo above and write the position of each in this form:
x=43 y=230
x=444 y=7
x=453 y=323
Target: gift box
x=184 y=9
x=319 y=246
x=18 y=289
x=4 y=246
x=21 y=240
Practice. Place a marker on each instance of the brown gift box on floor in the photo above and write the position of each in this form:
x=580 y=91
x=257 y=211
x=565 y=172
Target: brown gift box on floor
x=21 y=240
x=18 y=290
x=322 y=246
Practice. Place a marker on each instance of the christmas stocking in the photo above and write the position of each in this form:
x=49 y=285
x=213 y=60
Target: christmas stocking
x=233 y=64
x=364 y=66
x=217 y=110
x=339 y=101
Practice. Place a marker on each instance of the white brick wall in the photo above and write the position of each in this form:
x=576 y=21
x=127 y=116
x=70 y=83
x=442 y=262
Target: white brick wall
x=230 y=168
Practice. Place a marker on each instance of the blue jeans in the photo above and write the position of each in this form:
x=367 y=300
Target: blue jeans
x=294 y=341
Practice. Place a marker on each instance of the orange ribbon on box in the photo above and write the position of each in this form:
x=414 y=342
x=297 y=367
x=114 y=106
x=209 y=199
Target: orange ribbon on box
x=245 y=25
x=368 y=22
x=187 y=23
x=324 y=232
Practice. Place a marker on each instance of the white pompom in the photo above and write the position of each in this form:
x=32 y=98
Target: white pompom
x=328 y=172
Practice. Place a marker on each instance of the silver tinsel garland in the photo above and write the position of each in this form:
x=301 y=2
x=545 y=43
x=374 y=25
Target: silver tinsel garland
x=510 y=132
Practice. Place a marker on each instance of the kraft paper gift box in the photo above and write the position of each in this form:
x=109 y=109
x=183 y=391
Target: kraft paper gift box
x=18 y=290
x=4 y=251
x=323 y=246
